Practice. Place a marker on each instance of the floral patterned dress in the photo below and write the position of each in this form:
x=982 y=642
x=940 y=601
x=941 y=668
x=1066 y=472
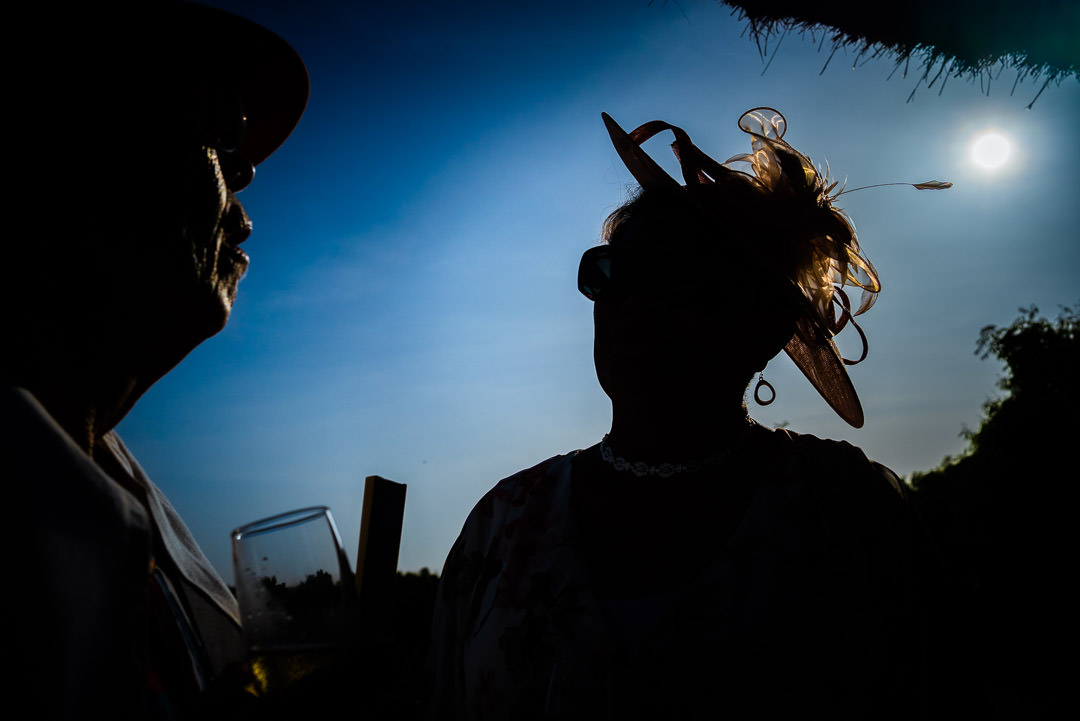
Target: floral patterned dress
x=811 y=606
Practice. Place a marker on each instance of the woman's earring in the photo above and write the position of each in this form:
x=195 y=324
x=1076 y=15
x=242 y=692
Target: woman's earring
x=757 y=391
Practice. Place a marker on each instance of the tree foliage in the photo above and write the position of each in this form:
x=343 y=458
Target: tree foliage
x=1042 y=361
x=1041 y=385
x=999 y=517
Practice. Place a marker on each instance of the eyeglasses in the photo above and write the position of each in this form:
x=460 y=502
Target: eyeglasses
x=594 y=271
x=216 y=114
x=214 y=117
x=609 y=272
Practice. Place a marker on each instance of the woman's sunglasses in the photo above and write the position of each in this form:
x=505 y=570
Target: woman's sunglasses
x=594 y=271
x=608 y=272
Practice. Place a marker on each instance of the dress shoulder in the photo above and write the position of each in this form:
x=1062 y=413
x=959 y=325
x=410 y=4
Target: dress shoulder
x=528 y=489
x=517 y=507
x=843 y=460
x=507 y=532
x=842 y=471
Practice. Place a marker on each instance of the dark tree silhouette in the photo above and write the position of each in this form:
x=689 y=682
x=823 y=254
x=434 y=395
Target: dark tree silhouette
x=409 y=624
x=379 y=675
x=976 y=39
x=1000 y=517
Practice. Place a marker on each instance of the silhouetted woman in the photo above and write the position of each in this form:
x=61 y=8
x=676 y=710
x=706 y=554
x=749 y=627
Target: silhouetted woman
x=693 y=563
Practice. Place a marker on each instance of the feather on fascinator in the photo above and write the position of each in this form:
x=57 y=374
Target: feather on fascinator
x=825 y=255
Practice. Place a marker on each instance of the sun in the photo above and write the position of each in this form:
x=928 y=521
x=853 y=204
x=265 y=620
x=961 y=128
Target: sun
x=990 y=150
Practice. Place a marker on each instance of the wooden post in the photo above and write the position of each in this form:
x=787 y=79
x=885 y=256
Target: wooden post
x=380 y=541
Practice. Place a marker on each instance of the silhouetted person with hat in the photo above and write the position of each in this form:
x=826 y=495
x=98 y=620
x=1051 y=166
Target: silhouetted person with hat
x=138 y=125
x=693 y=563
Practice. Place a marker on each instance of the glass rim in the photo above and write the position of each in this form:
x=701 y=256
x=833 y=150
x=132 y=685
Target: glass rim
x=281 y=520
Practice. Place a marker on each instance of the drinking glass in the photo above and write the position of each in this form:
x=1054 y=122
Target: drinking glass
x=296 y=593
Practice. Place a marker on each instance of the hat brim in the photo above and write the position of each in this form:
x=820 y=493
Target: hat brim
x=820 y=362
x=271 y=78
x=811 y=347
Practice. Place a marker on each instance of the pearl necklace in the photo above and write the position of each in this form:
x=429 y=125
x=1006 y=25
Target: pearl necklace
x=666 y=470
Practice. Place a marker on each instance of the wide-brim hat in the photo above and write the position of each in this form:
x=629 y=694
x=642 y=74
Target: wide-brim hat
x=121 y=72
x=269 y=74
x=811 y=347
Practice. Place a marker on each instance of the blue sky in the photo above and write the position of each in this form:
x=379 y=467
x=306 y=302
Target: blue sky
x=411 y=308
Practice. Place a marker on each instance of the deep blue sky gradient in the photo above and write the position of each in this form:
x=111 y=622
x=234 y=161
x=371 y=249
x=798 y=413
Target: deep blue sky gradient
x=411 y=310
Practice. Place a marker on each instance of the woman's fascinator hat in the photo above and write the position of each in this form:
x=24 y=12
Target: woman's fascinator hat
x=824 y=255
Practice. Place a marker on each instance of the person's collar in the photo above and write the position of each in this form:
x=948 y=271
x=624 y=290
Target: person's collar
x=177 y=539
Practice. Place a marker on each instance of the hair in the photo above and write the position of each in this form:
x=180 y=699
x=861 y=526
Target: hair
x=755 y=218
x=784 y=230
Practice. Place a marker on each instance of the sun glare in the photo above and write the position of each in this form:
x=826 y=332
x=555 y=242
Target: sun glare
x=990 y=150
